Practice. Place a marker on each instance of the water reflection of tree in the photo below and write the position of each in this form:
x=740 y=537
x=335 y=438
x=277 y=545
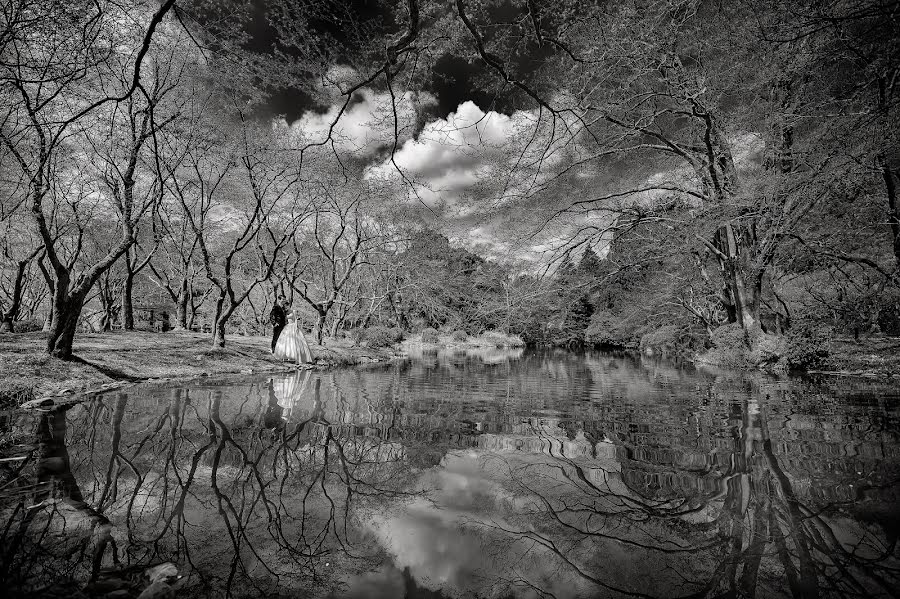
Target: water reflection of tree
x=251 y=509
x=256 y=487
x=751 y=535
x=32 y=544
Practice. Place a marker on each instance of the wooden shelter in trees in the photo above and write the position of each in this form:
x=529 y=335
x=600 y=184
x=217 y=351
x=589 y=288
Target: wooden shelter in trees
x=153 y=316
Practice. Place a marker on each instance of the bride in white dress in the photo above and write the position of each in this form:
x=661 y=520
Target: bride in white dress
x=292 y=344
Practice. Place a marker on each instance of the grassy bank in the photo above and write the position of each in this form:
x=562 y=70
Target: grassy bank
x=110 y=359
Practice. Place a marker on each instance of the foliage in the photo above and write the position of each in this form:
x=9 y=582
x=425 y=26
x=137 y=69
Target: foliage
x=498 y=339
x=729 y=348
x=806 y=345
x=607 y=329
x=380 y=336
x=29 y=325
x=672 y=339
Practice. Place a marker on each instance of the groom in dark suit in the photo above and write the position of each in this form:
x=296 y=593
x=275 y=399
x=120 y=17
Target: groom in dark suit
x=278 y=319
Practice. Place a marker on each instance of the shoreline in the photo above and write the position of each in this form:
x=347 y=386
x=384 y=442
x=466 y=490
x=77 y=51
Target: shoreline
x=104 y=361
x=111 y=360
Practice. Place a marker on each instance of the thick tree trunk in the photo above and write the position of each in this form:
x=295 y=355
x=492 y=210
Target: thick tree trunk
x=128 y=302
x=893 y=209
x=219 y=333
x=106 y=302
x=66 y=312
x=741 y=278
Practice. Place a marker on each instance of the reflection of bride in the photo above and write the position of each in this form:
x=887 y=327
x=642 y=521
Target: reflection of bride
x=289 y=391
x=292 y=344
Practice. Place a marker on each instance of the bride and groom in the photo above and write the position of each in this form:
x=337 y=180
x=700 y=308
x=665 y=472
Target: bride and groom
x=288 y=342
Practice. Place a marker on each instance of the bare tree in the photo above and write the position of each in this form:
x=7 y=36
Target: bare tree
x=69 y=71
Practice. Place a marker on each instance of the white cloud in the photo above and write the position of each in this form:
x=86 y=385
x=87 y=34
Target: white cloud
x=367 y=125
x=471 y=155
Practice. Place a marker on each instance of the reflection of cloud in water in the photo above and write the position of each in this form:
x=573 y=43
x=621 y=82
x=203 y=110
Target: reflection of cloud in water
x=450 y=542
x=431 y=543
x=386 y=583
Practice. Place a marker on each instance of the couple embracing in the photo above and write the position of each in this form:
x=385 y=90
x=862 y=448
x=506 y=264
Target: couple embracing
x=288 y=342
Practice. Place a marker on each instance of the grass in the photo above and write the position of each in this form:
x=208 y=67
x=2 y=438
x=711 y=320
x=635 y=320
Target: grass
x=107 y=359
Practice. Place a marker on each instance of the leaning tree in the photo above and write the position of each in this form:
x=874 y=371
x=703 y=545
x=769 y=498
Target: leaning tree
x=87 y=82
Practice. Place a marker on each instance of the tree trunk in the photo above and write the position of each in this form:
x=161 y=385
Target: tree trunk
x=740 y=276
x=106 y=302
x=893 y=209
x=9 y=317
x=334 y=327
x=219 y=323
x=402 y=321
x=219 y=333
x=181 y=305
x=127 y=302
x=66 y=312
x=51 y=286
x=320 y=326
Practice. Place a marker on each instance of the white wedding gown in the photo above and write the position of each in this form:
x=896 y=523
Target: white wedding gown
x=292 y=345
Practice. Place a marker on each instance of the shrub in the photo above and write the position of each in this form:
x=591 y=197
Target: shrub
x=379 y=336
x=459 y=336
x=768 y=352
x=673 y=339
x=501 y=340
x=662 y=340
x=606 y=328
x=729 y=348
x=430 y=335
x=806 y=345
x=728 y=337
x=28 y=326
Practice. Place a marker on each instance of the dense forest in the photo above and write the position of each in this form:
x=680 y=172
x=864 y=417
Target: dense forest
x=670 y=175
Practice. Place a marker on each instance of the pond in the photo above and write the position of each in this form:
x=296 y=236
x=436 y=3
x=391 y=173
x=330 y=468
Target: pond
x=486 y=474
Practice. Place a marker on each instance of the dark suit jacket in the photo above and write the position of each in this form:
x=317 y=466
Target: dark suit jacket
x=277 y=317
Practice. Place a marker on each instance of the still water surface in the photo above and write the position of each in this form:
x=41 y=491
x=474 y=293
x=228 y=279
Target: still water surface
x=523 y=474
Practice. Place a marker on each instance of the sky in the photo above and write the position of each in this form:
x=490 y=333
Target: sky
x=456 y=145
x=487 y=174
x=472 y=167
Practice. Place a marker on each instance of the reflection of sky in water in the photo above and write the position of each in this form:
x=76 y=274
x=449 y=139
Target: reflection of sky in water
x=492 y=475
x=449 y=542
